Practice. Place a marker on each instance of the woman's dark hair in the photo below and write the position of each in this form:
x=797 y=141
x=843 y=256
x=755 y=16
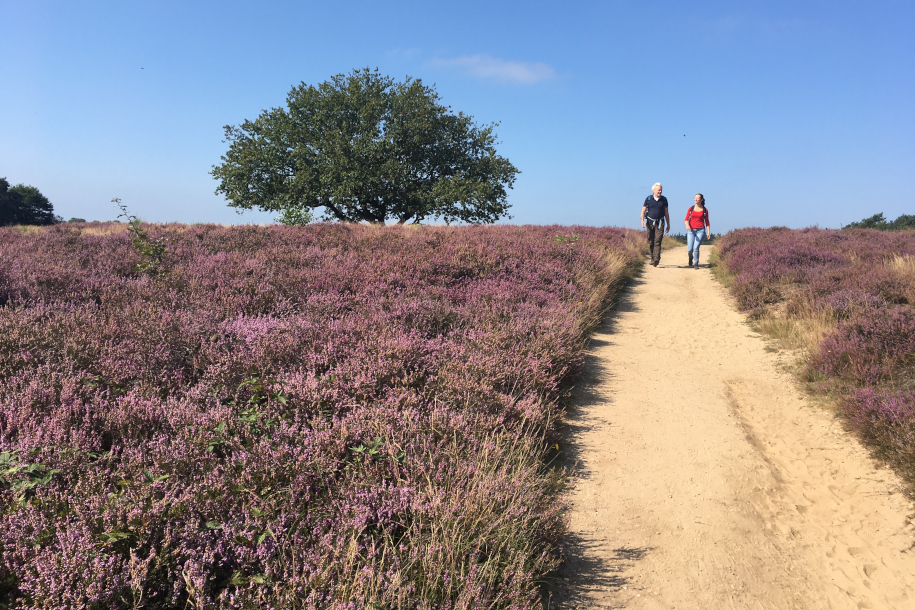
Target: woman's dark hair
x=702 y=197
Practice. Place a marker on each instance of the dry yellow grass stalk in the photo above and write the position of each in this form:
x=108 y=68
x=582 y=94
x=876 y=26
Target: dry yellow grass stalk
x=903 y=265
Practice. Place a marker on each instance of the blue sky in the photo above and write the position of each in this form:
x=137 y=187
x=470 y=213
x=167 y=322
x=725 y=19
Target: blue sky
x=781 y=113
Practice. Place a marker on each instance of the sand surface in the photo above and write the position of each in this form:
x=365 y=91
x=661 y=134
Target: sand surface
x=705 y=480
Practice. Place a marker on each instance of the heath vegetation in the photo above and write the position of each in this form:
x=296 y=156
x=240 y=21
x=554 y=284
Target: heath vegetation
x=331 y=416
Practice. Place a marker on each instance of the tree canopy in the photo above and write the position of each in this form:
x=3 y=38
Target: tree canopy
x=24 y=205
x=877 y=221
x=366 y=148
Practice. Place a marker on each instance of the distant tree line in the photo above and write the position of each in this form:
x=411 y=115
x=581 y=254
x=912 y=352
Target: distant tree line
x=24 y=205
x=877 y=221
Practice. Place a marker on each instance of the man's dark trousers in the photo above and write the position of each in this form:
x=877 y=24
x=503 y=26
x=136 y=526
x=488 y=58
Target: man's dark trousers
x=655 y=235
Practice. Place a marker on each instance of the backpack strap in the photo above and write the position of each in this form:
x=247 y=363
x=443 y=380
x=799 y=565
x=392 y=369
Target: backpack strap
x=692 y=209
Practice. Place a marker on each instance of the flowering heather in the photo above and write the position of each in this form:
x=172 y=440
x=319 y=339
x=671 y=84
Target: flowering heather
x=863 y=282
x=887 y=418
x=324 y=417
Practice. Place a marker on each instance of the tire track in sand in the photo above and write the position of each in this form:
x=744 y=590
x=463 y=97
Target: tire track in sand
x=704 y=480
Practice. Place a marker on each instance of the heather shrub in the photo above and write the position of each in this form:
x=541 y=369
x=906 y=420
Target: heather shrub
x=328 y=416
x=869 y=348
x=886 y=418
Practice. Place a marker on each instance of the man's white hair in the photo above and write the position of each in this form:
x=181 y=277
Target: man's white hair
x=655 y=184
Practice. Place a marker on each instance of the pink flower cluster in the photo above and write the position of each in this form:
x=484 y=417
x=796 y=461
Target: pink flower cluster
x=848 y=275
x=324 y=417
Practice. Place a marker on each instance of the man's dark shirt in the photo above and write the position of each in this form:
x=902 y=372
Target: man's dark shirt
x=655 y=208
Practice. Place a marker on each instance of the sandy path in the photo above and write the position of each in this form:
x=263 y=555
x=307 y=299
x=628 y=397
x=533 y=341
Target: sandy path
x=706 y=481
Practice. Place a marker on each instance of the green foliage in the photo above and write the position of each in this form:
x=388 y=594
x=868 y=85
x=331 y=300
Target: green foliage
x=256 y=401
x=877 y=221
x=151 y=250
x=22 y=477
x=254 y=413
x=374 y=451
x=24 y=205
x=77 y=220
x=371 y=450
x=295 y=217
x=569 y=240
x=366 y=148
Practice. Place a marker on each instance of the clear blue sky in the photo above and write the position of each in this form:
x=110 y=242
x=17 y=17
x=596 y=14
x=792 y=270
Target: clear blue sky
x=781 y=113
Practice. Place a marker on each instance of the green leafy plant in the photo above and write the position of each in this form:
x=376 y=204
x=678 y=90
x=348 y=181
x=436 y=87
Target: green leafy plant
x=257 y=413
x=262 y=390
x=295 y=217
x=115 y=536
x=151 y=250
x=263 y=395
x=373 y=451
x=21 y=477
x=369 y=451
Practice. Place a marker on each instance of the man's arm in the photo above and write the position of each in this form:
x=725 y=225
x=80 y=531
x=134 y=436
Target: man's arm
x=644 y=207
x=667 y=219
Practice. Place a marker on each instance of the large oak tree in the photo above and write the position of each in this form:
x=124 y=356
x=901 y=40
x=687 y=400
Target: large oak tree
x=366 y=148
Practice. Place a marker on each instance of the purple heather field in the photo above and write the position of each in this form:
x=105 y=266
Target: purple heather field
x=862 y=282
x=322 y=417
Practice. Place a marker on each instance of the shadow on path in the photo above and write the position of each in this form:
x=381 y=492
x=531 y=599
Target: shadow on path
x=592 y=565
x=590 y=572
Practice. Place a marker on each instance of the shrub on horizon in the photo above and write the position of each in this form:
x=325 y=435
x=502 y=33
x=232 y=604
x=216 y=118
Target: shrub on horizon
x=877 y=221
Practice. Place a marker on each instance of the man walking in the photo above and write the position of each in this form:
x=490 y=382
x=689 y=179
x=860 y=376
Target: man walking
x=655 y=218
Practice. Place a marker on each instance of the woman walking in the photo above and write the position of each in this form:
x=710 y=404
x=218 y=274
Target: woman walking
x=696 y=224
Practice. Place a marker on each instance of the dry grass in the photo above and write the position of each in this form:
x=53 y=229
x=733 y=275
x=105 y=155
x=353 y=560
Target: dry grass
x=903 y=265
x=108 y=228
x=30 y=229
x=719 y=271
x=672 y=241
x=802 y=334
x=615 y=271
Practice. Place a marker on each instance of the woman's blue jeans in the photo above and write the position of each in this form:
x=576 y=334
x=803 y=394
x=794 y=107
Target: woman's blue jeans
x=693 y=240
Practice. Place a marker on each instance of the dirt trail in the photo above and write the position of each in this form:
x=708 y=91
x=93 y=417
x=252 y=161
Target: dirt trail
x=705 y=480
